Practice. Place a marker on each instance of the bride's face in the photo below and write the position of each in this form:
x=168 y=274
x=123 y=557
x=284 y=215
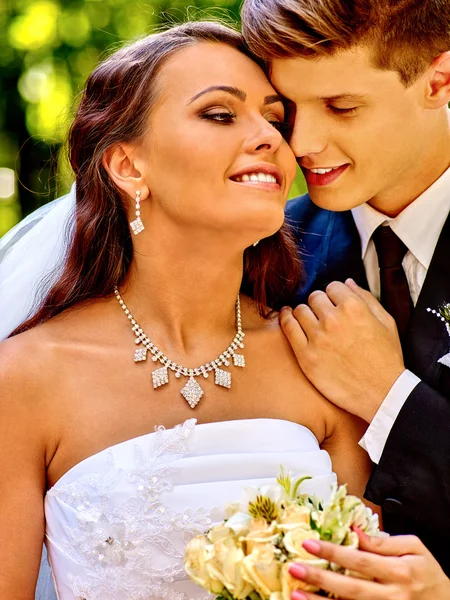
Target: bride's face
x=216 y=126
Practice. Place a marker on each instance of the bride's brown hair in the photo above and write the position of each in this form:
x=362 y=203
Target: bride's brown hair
x=114 y=108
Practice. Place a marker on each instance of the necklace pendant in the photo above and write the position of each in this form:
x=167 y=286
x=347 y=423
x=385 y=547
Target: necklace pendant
x=140 y=354
x=223 y=378
x=239 y=360
x=192 y=392
x=160 y=377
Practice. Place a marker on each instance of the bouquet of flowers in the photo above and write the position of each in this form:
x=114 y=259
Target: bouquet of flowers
x=249 y=554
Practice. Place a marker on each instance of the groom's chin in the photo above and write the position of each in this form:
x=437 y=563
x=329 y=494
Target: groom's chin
x=335 y=200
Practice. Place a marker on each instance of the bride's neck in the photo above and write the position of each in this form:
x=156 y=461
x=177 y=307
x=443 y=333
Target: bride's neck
x=184 y=296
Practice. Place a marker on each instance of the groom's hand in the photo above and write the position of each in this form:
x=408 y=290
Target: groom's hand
x=347 y=345
x=401 y=566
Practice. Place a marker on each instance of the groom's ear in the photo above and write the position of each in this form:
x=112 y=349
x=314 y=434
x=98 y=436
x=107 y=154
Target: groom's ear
x=437 y=92
x=123 y=166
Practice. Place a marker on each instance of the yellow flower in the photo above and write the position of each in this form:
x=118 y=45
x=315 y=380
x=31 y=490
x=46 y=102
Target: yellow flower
x=262 y=570
x=293 y=516
x=289 y=584
x=224 y=564
x=260 y=533
x=195 y=558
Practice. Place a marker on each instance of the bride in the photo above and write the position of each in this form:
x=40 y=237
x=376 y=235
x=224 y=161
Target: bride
x=154 y=383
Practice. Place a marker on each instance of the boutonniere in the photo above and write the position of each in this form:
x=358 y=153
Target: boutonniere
x=443 y=313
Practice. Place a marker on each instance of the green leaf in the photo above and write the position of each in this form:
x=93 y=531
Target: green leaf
x=225 y=595
x=298 y=483
x=444 y=311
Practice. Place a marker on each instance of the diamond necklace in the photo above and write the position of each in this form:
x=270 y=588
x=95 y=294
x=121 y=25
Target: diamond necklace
x=192 y=391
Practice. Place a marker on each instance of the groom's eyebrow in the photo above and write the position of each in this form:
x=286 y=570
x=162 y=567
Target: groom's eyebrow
x=272 y=99
x=338 y=97
x=238 y=93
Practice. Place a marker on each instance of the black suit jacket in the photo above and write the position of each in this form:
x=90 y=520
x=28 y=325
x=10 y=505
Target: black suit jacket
x=412 y=480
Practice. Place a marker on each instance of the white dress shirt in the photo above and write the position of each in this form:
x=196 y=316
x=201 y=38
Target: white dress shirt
x=418 y=226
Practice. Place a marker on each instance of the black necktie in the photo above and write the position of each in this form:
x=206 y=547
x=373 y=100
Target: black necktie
x=395 y=296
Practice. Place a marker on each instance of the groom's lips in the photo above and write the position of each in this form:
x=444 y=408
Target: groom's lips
x=318 y=179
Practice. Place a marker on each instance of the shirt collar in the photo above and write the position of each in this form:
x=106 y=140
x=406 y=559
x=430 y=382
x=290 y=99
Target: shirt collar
x=418 y=225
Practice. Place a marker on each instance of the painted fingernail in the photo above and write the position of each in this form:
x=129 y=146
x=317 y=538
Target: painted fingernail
x=311 y=546
x=360 y=532
x=297 y=570
x=298 y=596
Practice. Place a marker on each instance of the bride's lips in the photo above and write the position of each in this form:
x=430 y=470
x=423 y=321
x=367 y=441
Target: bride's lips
x=322 y=179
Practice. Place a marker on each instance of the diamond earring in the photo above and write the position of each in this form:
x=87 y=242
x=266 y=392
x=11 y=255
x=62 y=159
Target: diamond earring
x=137 y=226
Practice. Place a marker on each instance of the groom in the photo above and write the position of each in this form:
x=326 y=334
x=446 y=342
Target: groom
x=368 y=83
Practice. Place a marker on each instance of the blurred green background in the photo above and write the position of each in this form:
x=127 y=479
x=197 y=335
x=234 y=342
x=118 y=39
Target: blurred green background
x=47 y=49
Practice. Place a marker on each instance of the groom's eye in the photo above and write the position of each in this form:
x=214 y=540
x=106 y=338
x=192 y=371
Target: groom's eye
x=281 y=126
x=341 y=111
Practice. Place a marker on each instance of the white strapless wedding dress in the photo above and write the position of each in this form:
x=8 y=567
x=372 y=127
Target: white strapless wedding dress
x=118 y=521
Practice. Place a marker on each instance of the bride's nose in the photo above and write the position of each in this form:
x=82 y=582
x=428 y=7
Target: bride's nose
x=263 y=137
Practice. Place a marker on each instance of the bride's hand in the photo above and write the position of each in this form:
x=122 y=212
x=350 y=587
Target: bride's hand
x=402 y=567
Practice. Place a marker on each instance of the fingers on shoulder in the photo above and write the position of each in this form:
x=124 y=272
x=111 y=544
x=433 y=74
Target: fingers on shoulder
x=289 y=321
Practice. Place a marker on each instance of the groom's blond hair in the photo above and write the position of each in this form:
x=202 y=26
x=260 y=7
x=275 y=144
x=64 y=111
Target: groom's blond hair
x=404 y=35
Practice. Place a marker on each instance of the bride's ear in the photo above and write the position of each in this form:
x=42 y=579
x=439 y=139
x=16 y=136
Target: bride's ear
x=121 y=165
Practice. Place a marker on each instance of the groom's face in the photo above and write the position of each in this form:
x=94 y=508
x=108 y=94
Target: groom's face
x=360 y=121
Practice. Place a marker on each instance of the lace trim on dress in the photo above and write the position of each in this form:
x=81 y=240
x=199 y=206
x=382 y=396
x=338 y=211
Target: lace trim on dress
x=114 y=544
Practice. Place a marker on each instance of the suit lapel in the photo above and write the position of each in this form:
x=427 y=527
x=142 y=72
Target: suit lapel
x=428 y=339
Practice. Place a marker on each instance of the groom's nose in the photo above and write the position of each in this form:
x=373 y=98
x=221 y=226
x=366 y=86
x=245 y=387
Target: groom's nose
x=308 y=136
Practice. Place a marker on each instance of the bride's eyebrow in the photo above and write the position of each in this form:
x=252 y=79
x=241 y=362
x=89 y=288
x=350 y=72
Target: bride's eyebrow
x=238 y=93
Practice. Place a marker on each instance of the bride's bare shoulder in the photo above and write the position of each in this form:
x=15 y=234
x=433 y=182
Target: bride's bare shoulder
x=24 y=360
x=29 y=358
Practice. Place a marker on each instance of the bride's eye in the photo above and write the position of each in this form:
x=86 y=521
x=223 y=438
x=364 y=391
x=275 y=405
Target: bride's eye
x=219 y=117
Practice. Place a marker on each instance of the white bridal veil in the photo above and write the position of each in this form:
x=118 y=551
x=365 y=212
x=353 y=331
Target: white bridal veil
x=31 y=256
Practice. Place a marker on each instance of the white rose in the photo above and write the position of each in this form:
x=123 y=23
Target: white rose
x=224 y=564
x=240 y=523
x=289 y=584
x=293 y=516
x=260 y=533
x=263 y=571
x=293 y=542
x=195 y=558
x=218 y=533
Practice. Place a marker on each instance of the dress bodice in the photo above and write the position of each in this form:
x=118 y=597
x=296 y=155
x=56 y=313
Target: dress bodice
x=118 y=521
